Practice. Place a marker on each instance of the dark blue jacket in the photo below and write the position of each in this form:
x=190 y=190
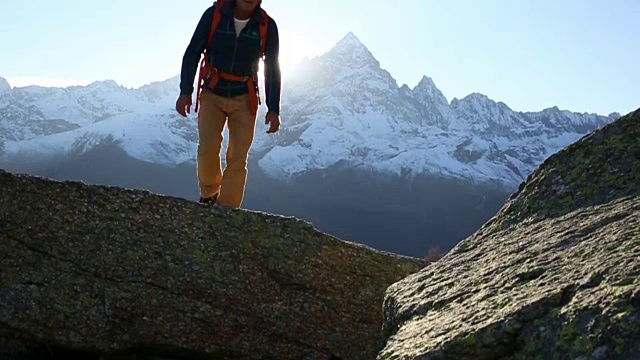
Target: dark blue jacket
x=238 y=56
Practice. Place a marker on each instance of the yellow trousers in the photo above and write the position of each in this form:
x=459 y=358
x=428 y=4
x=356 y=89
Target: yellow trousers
x=213 y=114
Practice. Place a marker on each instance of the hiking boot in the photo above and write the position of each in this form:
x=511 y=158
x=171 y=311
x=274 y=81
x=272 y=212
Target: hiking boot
x=208 y=200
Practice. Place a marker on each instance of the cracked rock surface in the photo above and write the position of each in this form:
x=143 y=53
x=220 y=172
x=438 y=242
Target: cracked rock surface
x=555 y=275
x=125 y=274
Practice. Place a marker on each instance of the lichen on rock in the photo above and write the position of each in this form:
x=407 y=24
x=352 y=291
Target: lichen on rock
x=554 y=275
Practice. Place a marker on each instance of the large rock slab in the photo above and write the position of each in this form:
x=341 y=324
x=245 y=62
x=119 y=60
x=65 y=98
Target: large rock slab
x=554 y=275
x=108 y=271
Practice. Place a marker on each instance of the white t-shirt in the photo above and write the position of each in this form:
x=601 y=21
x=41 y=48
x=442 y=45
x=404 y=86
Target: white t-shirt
x=240 y=24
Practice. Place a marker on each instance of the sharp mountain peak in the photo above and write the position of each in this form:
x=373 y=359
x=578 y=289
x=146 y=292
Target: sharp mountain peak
x=352 y=53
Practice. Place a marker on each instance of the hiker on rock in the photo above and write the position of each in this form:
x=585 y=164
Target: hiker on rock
x=233 y=35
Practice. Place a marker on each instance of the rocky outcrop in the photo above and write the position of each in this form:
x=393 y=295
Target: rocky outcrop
x=554 y=275
x=105 y=271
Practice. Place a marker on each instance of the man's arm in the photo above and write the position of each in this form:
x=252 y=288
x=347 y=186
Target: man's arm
x=272 y=76
x=193 y=52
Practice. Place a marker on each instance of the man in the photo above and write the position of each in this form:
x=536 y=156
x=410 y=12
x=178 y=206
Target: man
x=234 y=53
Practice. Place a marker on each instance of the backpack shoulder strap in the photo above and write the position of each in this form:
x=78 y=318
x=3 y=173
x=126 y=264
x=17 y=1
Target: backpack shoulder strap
x=217 y=16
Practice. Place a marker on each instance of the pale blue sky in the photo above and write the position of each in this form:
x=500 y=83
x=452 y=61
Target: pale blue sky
x=581 y=55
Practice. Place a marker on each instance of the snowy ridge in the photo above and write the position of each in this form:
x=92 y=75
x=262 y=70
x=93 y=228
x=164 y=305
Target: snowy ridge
x=341 y=109
x=4 y=85
x=154 y=138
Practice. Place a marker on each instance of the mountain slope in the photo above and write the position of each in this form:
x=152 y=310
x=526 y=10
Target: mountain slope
x=339 y=109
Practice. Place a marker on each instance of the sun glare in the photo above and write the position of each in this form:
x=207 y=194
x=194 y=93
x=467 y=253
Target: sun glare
x=293 y=48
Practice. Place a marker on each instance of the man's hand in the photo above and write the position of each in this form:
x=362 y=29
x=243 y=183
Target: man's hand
x=273 y=119
x=183 y=104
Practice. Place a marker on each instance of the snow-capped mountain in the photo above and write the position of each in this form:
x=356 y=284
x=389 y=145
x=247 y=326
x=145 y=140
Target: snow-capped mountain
x=339 y=109
x=349 y=111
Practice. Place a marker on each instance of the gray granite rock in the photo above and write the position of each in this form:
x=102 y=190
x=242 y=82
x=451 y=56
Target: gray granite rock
x=554 y=275
x=127 y=274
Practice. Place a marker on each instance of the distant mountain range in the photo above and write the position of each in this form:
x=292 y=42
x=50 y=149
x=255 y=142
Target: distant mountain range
x=348 y=128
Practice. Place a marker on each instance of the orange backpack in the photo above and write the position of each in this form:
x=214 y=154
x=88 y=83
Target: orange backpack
x=207 y=71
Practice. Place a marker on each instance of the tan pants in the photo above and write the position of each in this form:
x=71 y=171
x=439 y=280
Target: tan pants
x=212 y=116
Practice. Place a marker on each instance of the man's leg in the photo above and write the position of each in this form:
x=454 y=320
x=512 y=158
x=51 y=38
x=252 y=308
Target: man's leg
x=211 y=120
x=241 y=131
